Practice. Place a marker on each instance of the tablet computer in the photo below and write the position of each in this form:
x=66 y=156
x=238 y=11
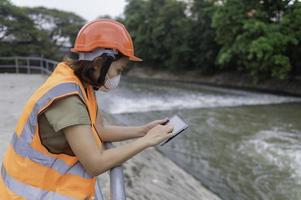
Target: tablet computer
x=179 y=126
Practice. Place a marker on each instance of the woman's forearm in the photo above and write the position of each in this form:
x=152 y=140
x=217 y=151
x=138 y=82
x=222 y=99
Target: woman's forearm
x=110 y=158
x=120 y=133
x=96 y=160
x=109 y=133
x=113 y=157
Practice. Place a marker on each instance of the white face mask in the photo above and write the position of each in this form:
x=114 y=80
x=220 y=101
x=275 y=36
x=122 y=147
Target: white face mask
x=111 y=83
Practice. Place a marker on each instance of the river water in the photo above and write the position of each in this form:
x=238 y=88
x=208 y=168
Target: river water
x=241 y=145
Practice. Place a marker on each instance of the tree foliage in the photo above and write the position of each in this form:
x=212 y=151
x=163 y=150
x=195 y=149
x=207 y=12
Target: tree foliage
x=159 y=29
x=18 y=35
x=201 y=37
x=61 y=26
x=256 y=36
x=36 y=31
x=260 y=37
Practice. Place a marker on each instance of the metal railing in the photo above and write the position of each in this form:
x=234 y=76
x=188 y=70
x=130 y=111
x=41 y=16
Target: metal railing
x=31 y=65
x=18 y=64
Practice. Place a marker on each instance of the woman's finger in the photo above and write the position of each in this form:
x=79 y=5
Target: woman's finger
x=170 y=128
x=163 y=121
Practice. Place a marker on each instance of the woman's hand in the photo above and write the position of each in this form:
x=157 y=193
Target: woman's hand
x=149 y=126
x=158 y=134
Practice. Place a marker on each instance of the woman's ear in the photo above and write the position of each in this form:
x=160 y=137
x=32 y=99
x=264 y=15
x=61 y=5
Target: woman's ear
x=97 y=63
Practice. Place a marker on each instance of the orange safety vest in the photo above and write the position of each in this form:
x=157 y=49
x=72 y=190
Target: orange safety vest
x=29 y=170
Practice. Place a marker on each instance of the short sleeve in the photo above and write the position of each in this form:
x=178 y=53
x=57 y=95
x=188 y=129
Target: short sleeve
x=67 y=112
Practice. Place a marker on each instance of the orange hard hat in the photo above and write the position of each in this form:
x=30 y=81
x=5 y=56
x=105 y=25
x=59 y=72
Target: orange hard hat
x=105 y=33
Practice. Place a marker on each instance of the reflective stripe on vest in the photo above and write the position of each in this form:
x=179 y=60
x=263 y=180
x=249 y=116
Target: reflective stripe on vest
x=22 y=148
x=27 y=191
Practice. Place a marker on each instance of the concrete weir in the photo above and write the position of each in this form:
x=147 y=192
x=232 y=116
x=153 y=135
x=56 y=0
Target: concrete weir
x=149 y=175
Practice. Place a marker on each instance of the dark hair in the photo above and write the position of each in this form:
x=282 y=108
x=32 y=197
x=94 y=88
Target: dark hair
x=84 y=69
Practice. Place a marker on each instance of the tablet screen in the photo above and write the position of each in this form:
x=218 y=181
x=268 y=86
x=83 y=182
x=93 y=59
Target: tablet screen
x=179 y=126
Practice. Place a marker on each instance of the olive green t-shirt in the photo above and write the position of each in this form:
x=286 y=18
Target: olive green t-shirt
x=62 y=113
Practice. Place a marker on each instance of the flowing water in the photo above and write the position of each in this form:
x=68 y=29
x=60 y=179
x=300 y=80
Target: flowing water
x=241 y=145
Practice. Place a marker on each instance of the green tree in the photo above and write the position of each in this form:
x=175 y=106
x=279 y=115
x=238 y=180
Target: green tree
x=36 y=31
x=159 y=29
x=61 y=26
x=253 y=38
x=291 y=25
x=201 y=38
x=138 y=22
x=18 y=35
x=170 y=35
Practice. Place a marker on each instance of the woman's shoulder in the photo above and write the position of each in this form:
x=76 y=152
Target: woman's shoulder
x=67 y=111
x=71 y=101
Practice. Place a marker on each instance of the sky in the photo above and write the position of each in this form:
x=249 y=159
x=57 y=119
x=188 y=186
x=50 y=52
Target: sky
x=88 y=9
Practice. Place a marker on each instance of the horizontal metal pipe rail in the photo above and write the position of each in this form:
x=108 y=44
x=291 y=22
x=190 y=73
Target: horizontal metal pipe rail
x=46 y=66
x=27 y=64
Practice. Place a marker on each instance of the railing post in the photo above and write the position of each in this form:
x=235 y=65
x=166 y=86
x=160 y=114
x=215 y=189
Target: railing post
x=17 y=65
x=117 y=187
x=98 y=193
x=41 y=65
x=47 y=67
x=28 y=65
x=117 y=183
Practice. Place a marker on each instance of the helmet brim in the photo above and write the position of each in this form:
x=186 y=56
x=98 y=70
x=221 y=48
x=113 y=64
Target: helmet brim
x=134 y=58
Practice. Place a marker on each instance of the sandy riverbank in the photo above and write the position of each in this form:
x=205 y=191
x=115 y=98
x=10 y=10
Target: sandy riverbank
x=149 y=175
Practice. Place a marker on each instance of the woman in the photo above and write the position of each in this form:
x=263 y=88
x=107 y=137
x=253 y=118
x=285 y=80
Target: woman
x=57 y=148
